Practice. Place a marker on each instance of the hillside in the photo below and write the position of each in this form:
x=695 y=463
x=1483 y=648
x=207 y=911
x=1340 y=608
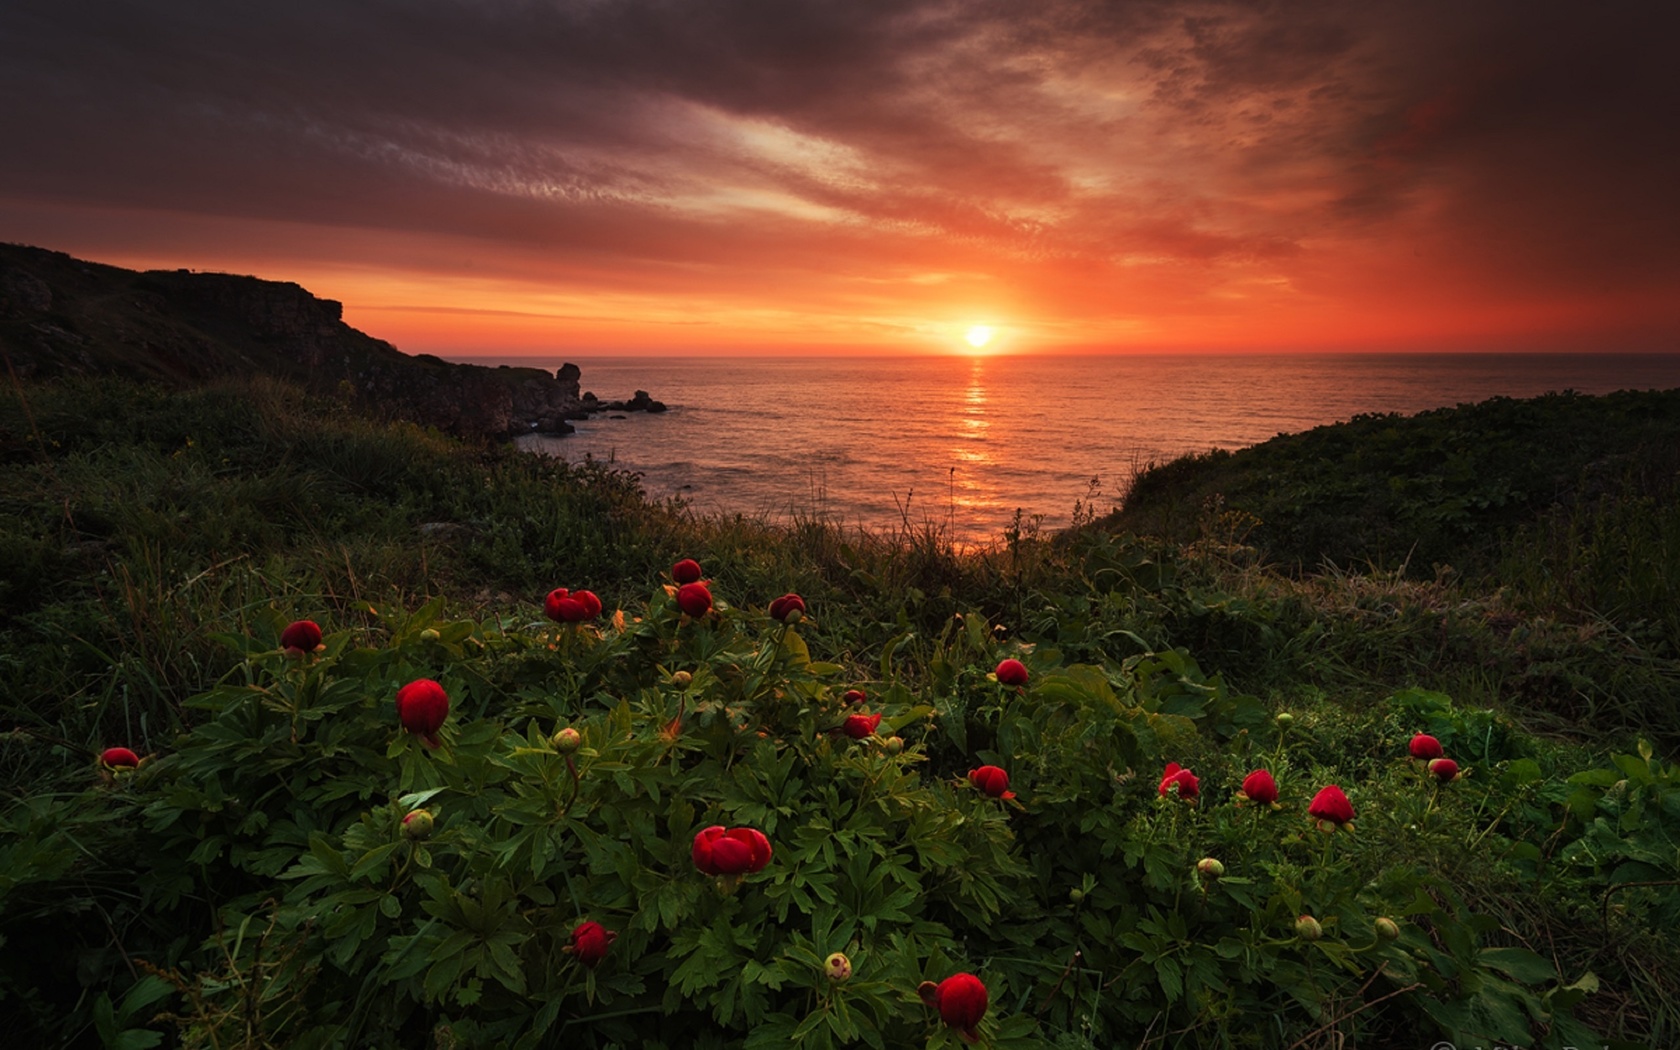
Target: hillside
x=62 y=316
x=1440 y=488
x=207 y=839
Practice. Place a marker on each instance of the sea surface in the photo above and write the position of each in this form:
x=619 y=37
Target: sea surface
x=963 y=444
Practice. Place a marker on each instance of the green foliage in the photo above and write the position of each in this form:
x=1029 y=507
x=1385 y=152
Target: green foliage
x=1434 y=488
x=251 y=883
x=270 y=833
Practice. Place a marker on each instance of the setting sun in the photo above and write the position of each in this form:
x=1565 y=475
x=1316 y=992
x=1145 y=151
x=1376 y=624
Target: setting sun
x=979 y=336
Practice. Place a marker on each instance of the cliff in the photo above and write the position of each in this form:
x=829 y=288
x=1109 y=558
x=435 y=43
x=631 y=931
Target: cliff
x=64 y=316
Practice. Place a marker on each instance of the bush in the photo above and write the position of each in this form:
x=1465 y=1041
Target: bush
x=256 y=882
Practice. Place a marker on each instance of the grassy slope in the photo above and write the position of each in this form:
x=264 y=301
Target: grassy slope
x=137 y=523
x=1437 y=488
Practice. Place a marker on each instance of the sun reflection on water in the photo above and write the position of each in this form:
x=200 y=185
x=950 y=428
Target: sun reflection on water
x=971 y=481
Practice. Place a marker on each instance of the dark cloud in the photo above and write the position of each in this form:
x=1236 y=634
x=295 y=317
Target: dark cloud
x=1197 y=150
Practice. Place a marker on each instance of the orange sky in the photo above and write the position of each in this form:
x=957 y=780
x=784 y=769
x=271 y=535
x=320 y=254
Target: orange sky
x=736 y=176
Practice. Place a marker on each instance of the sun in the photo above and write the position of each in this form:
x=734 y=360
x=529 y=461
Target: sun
x=979 y=336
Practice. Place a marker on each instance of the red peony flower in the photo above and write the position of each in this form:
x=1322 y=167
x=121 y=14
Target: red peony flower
x=301 y=636
x=734 y=851
x=757 y=843
x=551 y=604
x=787 y=604
x=694 y=599
x=1187 y=783
x=118 y=757
x=1331 y=806
x=1012 y=672
x=422 y=705
x=1444 y=769
x=991 y=780
x=686 y=571
x=1425 y=747
x=591 y=604
x=853 y=696
x=590 y=942
x=961 y=1000
x=1259 y=787
x=704 y=840
x=859 y=726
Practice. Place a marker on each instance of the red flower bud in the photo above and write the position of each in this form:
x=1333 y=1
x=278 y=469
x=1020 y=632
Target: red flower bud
x=961 y=1000
x=1259 y=787
x=1185 y=781
x=422 y=705
x=787 y=603
x=1444 y=769
x=1012 y=672
x=992 y=781
x=838 y=967
x=590 y=942
x=859 y=726
x=686 y=571
x=417 y=825
x=702 y=851
x=551 y=604
x=118 y=758
x=757 y=843
x=694 y=599
x=718 y=851
x=853 y=696
x=1425 y=747
x=591 y=604
x=301 y=636
x=1331 y=806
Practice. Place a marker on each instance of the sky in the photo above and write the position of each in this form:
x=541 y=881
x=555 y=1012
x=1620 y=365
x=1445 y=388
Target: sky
x=793 y=176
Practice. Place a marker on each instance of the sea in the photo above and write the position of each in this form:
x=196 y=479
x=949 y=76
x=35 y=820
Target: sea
x=974 y=446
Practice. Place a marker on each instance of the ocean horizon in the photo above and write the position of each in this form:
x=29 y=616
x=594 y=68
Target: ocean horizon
x=968 y=444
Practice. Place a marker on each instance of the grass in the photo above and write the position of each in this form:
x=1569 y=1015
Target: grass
x=1324 y=574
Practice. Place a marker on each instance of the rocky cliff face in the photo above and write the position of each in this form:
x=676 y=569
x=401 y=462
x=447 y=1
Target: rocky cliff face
x=60 y=315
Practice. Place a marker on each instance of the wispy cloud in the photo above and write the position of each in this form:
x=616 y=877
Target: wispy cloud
x=1166 y=172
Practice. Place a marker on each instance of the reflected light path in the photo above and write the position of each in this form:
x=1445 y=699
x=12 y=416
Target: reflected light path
x=973 y=483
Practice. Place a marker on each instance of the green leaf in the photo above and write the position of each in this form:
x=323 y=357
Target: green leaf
x=1167 y=971
x=418 y=798
x=1518 y=963
x=1595 y=777
x=374 y=860
x=1522 y=772
x=1565 y=998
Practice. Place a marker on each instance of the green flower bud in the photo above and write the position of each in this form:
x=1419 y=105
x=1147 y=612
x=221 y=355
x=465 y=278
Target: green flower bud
x=1308 y=929
x=838 y=967
x=681 y=679
x=567 y=741
x=430 y=634
x=1076 y=895
x=893 y=744
x=417 y=826
x=1284 y=718
x=1387 y=929
x=1210 y=868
